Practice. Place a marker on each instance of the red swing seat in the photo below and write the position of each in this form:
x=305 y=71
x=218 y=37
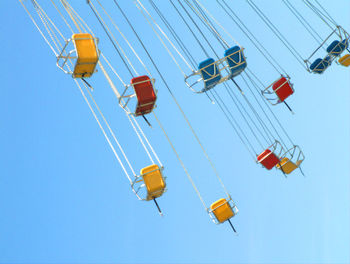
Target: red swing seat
x=268 y=159
x=146 y=96
x=282 y=88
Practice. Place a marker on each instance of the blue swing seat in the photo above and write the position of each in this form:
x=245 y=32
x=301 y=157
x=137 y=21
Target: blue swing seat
x=319 y=65
x=337 y=47
x=210 y=73
x=236 y=60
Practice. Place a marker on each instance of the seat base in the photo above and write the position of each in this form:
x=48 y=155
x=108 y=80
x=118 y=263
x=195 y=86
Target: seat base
x=84 y=70
x=287 y=166
x=345 y=60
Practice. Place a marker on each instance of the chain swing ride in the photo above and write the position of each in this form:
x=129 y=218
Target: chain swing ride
x=84 y=57
x=244 y=100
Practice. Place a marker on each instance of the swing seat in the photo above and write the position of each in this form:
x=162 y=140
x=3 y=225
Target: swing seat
x=345 y=60
x=146 y=96
x=268 y=159
x=210 y=73
x=319 y=65
x=235 y=60
x=87 y=55
x=337 y=47
x=287 y=165
x=154 y=181
x=283 y=89
x=222 y=210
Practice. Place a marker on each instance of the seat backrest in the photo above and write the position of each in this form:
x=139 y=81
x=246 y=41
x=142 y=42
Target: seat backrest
x=268 y=159
x=282 y=88
x=87 y=55
x=85 y=47
x=222 y=210
x=236 y=60
x=144 y=89
x=337 y=47
x=146 y=96
x=210 y=73
x=319 y=65
x=154 y=181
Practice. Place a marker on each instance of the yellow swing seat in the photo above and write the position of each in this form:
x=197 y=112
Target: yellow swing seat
x=287 y=165
x=222 y=210
x=154 y=181
x=345 y=60
x=87 y=55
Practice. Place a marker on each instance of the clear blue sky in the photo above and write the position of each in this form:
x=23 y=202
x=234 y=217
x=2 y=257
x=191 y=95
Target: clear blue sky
x=64 y=198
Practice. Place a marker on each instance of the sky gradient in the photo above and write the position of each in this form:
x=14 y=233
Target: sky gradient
x=64 y=198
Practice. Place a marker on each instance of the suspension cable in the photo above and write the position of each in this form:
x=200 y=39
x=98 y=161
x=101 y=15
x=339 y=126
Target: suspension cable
x=104 y=132
x=320 y=14
x=217 y=22
x=190 y=29
x=260 y=47
x=68 y=10
x=139 y=5
x=178 y=40
x=181 y=162
x=328 y=15
x=235 y=125
x=277 y=33
x=125 y=39
x=303 y=22
x=267 y=105
x=111 y=38
x=64 y=19
x=208 y=24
